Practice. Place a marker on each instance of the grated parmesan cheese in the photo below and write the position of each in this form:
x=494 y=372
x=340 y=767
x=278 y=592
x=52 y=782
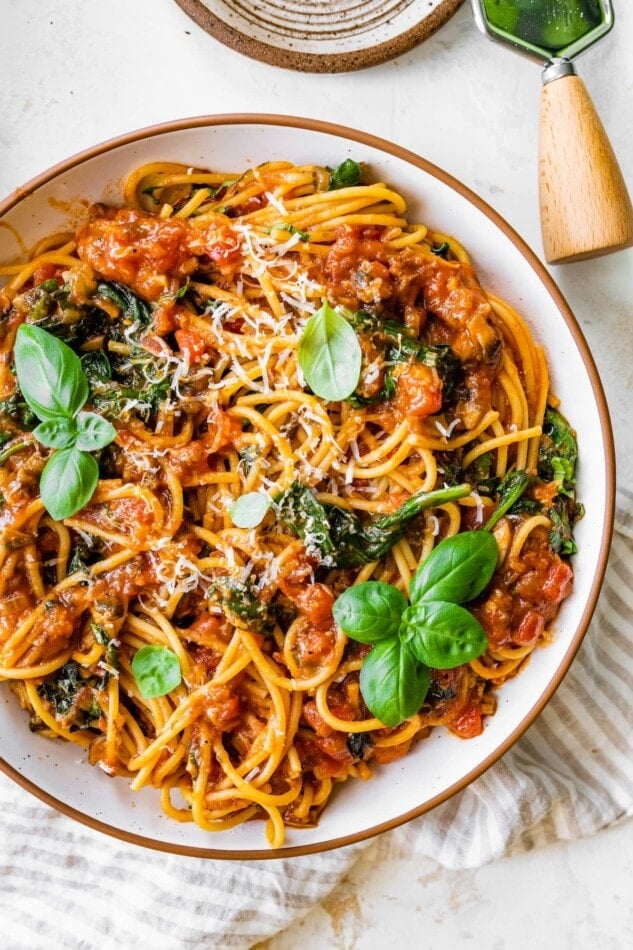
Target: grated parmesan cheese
x=479 y=505
x=276 y=202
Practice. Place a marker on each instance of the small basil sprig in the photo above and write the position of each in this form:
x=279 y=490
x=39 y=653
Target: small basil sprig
x=250 y=509
x=433 y=632
x=156 y=670
x=330 y=355
x=55 y=387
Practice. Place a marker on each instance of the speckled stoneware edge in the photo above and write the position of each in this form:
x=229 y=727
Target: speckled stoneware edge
x=328 y=37
x=442 y=765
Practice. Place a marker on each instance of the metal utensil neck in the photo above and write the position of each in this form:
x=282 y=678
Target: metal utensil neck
x=556 y=69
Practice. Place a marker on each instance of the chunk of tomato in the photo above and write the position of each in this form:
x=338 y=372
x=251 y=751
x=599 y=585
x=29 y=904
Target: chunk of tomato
x=419 y=391
x=191 y=345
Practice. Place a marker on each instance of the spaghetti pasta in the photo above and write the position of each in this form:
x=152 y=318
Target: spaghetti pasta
x=187 y=305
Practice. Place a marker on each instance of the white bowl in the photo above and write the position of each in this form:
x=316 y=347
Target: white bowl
x=441 y=765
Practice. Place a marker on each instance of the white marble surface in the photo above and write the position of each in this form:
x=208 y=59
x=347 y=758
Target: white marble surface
x=569 y=897
x=76 y=72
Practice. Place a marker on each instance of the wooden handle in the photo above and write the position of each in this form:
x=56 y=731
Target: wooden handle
x=585 y=207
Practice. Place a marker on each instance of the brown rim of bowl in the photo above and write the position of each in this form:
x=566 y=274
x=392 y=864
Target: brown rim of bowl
x=364 y=138
x=316 y=62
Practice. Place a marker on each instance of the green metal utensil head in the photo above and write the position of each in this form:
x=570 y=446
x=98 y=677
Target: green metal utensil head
x=545 y=29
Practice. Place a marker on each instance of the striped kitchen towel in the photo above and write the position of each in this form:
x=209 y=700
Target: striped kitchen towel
x=571 y=774
x=67 y=886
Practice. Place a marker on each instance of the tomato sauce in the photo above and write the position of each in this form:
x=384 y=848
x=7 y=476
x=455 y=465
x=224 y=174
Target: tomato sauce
x=418 y=391
x=140 y=251
x=525 y=596
x=412 y=285
x=152 y=255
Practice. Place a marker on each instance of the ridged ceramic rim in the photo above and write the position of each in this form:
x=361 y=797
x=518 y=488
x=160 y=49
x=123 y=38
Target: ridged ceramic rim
x=371 y=141
x=337 y=36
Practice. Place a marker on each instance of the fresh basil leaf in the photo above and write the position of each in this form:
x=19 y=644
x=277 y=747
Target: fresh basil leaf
x=93 y=432
x=370 y=611
x=59 y=433
x=250 y=509
x=457 y=570
x=156 y=670
x=68 y=482
x=50 y=374
x=330 y=355
x=442 y=635
x=347 y=174
x=392 y=682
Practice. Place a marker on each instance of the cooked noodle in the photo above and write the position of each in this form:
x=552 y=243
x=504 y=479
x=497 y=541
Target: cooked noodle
x=210 y=404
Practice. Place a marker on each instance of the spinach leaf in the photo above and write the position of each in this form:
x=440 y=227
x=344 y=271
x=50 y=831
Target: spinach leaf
x=558 y=455
x=72 y=695
x=156 y=670
x=144 y=397
x=347 y=174
x=561 y=536
x=399 y=346
x=361 y=542
x=129 y=304
x=111 y=655
x=339 y=537
x=564 y=473
x=509 y=490
x=299 y=510
x=558 y=440
x=241 y=598
x=84 y=552
x=61 y=688
x=330 y=355
x=97 y=368
x=480 y=472
x=45 y=300
x=359 y=745
x=18 y=411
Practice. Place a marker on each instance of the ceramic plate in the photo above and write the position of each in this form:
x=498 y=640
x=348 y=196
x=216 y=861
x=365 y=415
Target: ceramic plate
x=441 y=765
x=327 y=37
